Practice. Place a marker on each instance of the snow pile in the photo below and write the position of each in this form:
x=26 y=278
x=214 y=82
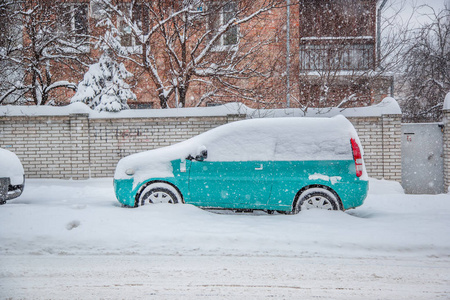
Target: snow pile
x=274 y=139
x=447 y=102
x=103 y=87
x=332 y=179
x=10 y=166
x=84 y=218
x=77 y=108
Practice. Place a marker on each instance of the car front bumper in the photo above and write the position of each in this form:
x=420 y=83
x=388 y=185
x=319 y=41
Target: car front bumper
x=8 y=191
x=125 y=193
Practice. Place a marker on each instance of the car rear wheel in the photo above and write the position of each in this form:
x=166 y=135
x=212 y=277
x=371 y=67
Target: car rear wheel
x=159 y=193
x=317 y=198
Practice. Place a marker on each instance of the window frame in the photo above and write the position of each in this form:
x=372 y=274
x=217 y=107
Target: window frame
x=133 y=46
x=12 y=32
x=220 y=45
x=95 y=6
x=73 y=9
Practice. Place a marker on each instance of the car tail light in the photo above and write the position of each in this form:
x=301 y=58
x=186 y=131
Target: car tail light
x=357 y=157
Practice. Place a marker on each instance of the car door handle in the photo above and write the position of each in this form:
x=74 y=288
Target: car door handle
x=260 y=167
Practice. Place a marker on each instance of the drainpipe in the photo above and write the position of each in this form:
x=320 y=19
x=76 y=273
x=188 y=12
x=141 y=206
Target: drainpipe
x=288 y=52
x=379 y=31
x=392 y=86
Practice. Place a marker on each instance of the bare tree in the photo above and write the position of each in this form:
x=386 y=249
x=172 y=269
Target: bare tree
x=211 y=45
x=11 y=77
x=42 y=42
x=427 y=69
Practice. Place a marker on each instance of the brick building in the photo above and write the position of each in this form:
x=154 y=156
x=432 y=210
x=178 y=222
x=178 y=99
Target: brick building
x=332 y=52
x=337 y=52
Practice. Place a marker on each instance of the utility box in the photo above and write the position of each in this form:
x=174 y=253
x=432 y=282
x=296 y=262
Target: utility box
x=423 y=158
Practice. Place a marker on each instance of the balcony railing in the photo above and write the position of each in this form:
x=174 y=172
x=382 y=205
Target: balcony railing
x=337 y=57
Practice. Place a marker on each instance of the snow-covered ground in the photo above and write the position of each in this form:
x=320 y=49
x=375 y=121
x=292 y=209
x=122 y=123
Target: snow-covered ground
x=72 y=240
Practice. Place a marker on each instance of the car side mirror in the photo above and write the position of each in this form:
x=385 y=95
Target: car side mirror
x=202 y=156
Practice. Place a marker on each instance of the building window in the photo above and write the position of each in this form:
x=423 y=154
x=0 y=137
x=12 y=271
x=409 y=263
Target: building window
x=98 y=9
x=10 y=28
x=140 y=105
x=337 y=18
x=212 y=104
x=230 y=37
x=74 y=21
x=337 y=35
x=335 y=57
x=139 y=17
x=221 y=14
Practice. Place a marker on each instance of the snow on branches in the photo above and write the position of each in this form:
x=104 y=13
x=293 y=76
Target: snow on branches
x=103 y=87
x=185 y=44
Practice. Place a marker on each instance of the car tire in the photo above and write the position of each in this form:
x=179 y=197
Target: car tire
x=158 y=192
x=317 y=198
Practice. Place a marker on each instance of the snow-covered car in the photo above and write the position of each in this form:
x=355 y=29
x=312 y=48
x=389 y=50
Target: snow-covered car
x=12 y=179
x=279 y=164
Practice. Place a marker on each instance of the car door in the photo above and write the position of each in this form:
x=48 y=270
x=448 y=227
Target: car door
x=237 y=171
x=236 y=184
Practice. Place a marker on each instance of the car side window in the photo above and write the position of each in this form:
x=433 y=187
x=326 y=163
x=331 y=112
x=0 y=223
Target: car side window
x=304 y=145
x=241 y=146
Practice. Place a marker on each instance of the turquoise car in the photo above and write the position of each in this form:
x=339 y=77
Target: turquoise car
x=270 y=164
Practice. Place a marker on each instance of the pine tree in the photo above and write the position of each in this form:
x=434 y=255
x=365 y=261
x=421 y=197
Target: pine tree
x=103 y=87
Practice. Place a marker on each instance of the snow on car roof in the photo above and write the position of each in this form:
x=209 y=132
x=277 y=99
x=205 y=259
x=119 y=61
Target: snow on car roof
x=280 y=139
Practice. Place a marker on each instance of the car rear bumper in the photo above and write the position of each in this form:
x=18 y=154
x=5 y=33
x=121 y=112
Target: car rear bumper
x=353 y=195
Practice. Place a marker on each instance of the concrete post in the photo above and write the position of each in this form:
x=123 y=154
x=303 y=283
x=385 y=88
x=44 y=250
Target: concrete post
x=392 y=147
x=446 y=121
x=80 y=152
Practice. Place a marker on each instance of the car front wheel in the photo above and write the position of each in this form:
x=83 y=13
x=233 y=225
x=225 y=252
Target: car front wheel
x=317 y=198
x=159 y=192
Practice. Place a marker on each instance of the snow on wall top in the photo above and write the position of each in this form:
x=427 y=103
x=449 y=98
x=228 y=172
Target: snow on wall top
x=81 y=108
x=44 y=110
x=387 y=106
x=447 y=102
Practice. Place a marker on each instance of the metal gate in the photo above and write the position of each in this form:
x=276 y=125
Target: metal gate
x=423 y=158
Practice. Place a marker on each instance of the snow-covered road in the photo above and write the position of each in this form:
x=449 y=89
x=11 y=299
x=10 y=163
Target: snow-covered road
x=222 y=277
x=72 y=240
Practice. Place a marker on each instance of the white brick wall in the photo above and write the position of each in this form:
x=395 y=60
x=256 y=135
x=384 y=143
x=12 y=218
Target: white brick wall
x=381 y=140
x=78 y=147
